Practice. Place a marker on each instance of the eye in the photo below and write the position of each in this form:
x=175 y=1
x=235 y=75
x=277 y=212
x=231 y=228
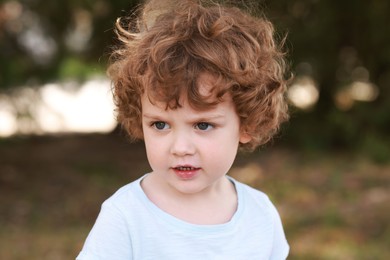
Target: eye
x=203 y=126
x=160 y=125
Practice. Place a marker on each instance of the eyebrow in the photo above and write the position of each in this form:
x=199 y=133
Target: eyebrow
x=195 y=118
x=208 y=117
x=150 y=116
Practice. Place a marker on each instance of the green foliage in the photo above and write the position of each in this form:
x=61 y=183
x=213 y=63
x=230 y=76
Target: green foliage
x=35 y=42
x=335 y=37
x=72 y=67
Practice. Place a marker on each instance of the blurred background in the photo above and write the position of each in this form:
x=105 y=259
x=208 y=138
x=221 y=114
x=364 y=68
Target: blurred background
x=61 y=153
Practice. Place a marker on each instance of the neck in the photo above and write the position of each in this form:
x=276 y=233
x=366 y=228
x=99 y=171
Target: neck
x=214 y=205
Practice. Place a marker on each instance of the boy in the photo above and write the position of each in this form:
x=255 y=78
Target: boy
x=196 y=83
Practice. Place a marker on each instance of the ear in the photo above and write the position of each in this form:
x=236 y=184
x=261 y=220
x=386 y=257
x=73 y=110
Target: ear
x=245 y=138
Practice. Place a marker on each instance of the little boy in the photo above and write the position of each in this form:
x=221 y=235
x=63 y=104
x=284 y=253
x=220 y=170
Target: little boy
x=196 y=82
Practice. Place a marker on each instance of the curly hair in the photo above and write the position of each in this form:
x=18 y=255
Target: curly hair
x=171 y=43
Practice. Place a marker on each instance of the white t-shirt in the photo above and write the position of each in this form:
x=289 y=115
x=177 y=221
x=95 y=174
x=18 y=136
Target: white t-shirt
x=130 y=226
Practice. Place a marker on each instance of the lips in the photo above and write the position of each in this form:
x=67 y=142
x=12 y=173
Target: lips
x=186 y=172
x=185 y=168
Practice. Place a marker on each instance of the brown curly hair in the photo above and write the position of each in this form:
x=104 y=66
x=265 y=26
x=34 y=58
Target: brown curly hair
x=171 y=43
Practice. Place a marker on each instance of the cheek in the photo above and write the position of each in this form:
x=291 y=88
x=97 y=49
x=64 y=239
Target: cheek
x=154 y=159
x=223 y=150
x=153 y=151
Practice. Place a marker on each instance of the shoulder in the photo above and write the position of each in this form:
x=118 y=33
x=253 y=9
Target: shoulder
x=257 y=203
x=110 y=237
x=253 y=195
x=125 y=197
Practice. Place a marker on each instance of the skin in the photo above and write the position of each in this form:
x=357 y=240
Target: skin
x=190 y=153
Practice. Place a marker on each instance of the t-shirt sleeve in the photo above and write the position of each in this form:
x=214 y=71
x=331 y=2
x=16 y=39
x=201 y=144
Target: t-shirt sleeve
x=280 y=248
x=109 y=237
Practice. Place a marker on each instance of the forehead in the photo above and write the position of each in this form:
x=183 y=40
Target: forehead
x=158 y=110
x=201 y=92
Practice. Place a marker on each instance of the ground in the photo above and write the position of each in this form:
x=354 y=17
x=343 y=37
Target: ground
x=333 y=205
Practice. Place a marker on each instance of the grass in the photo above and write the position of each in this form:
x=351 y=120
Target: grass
x=333 y=205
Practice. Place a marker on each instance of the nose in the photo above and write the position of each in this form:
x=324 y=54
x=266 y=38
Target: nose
x=182 y=144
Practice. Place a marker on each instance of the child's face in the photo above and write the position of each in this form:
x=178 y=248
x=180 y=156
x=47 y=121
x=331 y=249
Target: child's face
x=190 y=150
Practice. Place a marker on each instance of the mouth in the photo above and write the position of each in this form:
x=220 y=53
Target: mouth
x=186 y=172
x=186 y=168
